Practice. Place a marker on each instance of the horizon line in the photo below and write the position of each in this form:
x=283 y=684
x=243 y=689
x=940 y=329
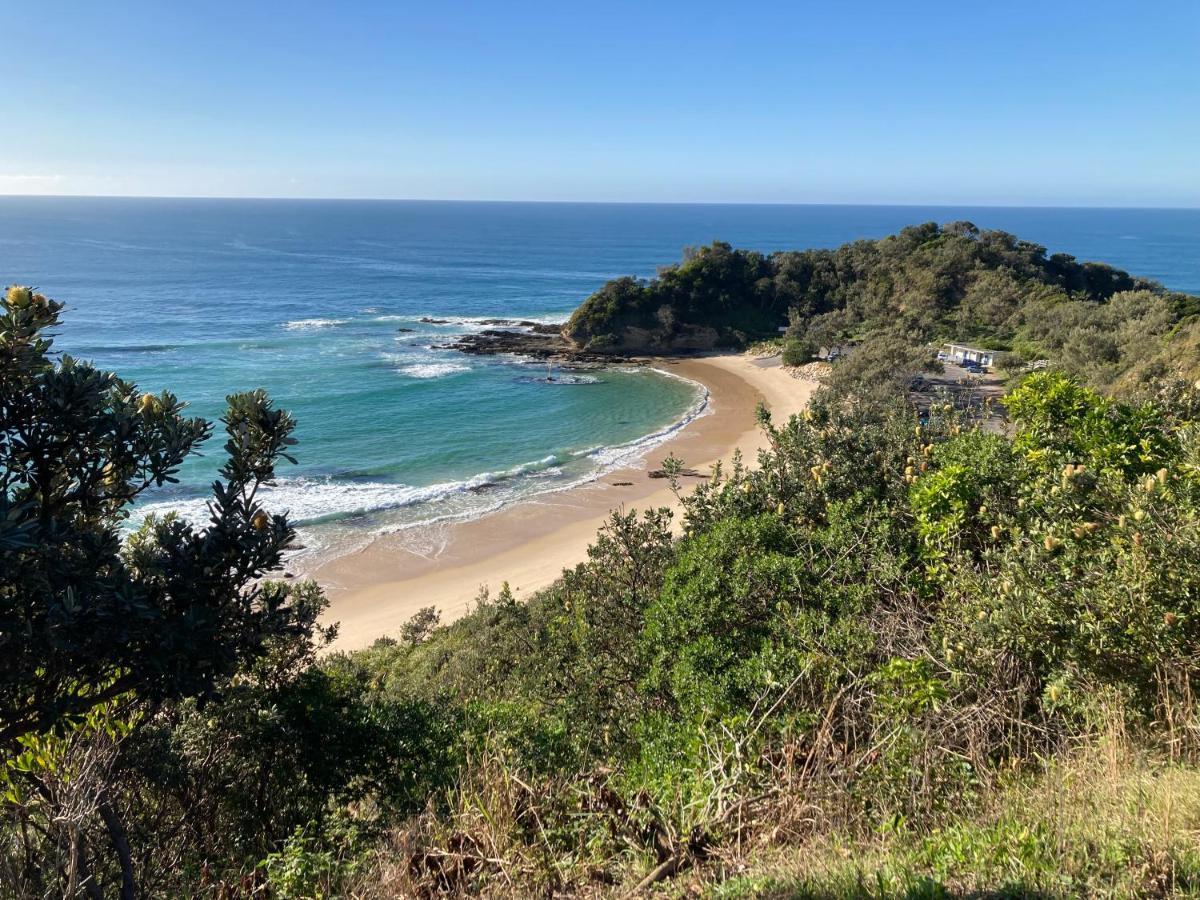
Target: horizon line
x=910 y=205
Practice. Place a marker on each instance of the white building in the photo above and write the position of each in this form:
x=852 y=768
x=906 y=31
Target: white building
x=960 y=353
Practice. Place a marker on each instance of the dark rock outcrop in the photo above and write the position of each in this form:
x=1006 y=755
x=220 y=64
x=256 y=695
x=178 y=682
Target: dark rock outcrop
x=513 y=323
x=542 y=342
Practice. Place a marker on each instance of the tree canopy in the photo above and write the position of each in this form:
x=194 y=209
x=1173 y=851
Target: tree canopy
x=85 y=617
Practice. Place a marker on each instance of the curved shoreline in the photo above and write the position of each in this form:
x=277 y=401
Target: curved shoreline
x=615 y=457
x=375 y=589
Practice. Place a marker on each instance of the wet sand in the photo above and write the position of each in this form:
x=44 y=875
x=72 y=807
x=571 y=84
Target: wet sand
x=374 y=590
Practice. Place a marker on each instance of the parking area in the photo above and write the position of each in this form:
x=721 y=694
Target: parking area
x=971 y=390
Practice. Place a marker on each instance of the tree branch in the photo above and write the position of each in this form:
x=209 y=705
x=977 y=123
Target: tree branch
x=120 y=842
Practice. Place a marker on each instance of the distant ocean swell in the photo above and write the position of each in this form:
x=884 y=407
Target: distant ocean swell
x=433 y=369
x=440 y=322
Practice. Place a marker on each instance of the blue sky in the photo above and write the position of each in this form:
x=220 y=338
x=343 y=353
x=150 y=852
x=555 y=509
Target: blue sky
x=1059 y=103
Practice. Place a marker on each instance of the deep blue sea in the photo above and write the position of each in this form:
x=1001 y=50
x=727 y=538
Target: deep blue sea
x=308 y=299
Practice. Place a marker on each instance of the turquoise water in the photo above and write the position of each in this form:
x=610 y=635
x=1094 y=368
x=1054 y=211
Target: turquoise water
x=307 y=299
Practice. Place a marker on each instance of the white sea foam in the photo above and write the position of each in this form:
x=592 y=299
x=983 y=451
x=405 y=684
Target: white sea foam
x=312 y=500
x=624 y=455
x=433 y=370
x=475 y=322
x=310 y=324
x=309 y=500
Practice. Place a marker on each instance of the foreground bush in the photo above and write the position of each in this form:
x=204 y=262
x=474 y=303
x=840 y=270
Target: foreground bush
x=880 y=626
x=898 y=654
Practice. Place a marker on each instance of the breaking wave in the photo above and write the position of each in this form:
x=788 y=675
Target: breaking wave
x=310 y=501
x=311 y=324
x=338 y=509
x=433 y=370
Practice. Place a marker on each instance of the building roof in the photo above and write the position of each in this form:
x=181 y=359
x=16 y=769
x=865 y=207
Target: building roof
x=969 y=347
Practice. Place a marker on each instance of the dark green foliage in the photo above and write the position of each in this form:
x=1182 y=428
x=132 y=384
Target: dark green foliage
x=420 y=626
x=605 y=607
x=878 y=625
x=799 y=350
x=718 y=288
x=161 y=714
x=718 y=605
x=750 y=603
x=289 y=744
x=81 y=620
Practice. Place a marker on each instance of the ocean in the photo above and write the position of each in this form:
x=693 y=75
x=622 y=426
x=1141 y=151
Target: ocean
x=321 y=302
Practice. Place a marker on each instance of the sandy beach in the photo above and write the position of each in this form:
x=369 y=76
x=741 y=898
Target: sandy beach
x=373 y=591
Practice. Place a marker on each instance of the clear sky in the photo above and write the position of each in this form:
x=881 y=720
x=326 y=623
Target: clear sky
x=1061 y=103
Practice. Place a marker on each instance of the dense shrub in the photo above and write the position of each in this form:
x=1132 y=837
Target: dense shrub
x=869 y=634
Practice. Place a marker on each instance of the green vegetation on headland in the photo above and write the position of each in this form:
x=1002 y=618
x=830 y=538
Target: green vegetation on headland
x=896 y=656
x=925 y=284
